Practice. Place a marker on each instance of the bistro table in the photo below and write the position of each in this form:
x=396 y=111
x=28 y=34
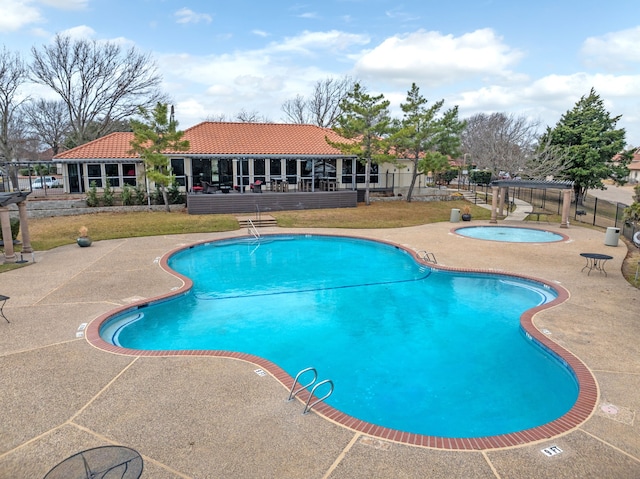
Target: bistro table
x=595 y=261
x=3 y=300
x=104 y=462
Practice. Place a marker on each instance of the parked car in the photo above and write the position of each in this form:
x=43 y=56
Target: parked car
x=47 y=181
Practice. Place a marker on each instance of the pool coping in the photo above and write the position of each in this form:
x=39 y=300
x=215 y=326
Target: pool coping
x=583 y=408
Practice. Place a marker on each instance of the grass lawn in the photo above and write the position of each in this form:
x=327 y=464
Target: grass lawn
x=47 y=233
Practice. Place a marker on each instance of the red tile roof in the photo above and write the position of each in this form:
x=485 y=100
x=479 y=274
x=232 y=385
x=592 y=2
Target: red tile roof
x=220 y=138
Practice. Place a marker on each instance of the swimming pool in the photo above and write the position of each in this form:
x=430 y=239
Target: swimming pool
x=409 y=347
x=511 y=234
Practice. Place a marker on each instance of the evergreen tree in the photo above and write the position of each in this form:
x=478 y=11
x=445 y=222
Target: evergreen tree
x=365 y=122
x=588 y=136
x=152 y=138
x=425 y=137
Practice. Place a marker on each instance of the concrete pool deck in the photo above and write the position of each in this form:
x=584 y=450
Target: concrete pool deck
x=210 y=417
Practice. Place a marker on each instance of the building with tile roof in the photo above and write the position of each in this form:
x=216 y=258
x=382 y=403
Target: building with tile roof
x=224 y=155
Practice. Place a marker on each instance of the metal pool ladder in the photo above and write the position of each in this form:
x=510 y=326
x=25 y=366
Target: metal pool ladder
x=428 y=257
x=294 y=391
x=253 y=230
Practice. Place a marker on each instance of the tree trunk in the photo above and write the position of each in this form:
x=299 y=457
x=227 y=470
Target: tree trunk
x=367 y=177
x=165 y=198
x=414 y=177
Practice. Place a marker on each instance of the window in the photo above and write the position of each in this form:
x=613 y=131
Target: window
x=177 y=168
x=275 y=168
x=94 y=175
x=292 y=172
x=129 y=174
x=347 y=172
x=112 y=174
x=259 y=170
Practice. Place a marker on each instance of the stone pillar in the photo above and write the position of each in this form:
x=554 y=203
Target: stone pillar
x=24 y=228
x=5 y=221
x=494 y=204
x=566 y=204
x=501 y=203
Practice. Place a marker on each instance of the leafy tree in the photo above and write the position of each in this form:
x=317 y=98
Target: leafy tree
x=365 y=122
x=425 y=137
x=152 y=138
x=587 y=134
x=480 y=177
x=99 y=83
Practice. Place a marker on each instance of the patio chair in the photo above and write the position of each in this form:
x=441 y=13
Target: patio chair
x=257 y=186
x=208 y=187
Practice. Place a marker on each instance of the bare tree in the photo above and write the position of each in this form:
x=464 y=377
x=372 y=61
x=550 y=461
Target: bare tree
x=499 y=142
x=253 y=116
x=49 y=122
x=218 y=118
x=295 y=110
x=323 y=107
x=547 y=161
x=98 y=82
x=13 y=74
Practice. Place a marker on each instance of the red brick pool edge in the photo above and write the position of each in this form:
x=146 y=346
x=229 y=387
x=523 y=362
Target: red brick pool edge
x=579 y=413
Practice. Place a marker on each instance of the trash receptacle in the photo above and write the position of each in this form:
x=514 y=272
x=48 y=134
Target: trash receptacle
x=612 y=236
x=455 y=215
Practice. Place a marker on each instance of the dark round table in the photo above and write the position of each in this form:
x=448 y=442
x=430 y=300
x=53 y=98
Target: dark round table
x=595 y=261
x=106 y=462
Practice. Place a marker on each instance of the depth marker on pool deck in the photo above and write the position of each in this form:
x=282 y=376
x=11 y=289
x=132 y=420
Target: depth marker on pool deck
x=80 y=331
x=551 y=451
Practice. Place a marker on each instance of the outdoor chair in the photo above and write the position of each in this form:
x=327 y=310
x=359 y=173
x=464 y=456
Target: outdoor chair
x=257 y=186
x=208 y=187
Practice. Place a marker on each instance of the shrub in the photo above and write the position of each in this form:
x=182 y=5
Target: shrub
x=107 y=195
x=174 y=194
x=127 y=195
x=92 y=196
x=15 y=227
x=140 y=195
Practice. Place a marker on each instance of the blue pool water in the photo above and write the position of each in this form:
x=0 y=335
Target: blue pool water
x=509 y=234
x=408 y=347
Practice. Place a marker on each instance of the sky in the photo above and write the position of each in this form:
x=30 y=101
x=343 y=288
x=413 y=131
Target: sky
x=532 y=59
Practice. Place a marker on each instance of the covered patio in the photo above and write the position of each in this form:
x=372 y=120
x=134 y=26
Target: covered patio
x=499 y=193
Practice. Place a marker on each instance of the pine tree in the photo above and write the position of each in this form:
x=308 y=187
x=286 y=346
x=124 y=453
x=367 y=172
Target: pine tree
x=365 y=121
x=425 y=137
x=152 y=139
x=587 y=134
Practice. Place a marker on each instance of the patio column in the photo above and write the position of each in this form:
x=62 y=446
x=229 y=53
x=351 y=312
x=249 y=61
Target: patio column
x=5 y=221
x=501 y=203
x=24 y=228
x=494 y=204
x=566 y=203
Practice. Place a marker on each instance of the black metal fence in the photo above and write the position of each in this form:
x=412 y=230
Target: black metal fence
x=593 y=211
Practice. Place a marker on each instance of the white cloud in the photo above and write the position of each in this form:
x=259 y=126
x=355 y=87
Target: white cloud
x=15 y=14
x=185 y=15
x=66 y=4
x=306 y=42
x=434 y=59
x=79 y=32
x=613 y=51
x=260 y=33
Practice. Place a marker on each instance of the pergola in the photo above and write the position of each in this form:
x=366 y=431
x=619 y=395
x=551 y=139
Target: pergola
x=499 y=187
x=7 y=199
